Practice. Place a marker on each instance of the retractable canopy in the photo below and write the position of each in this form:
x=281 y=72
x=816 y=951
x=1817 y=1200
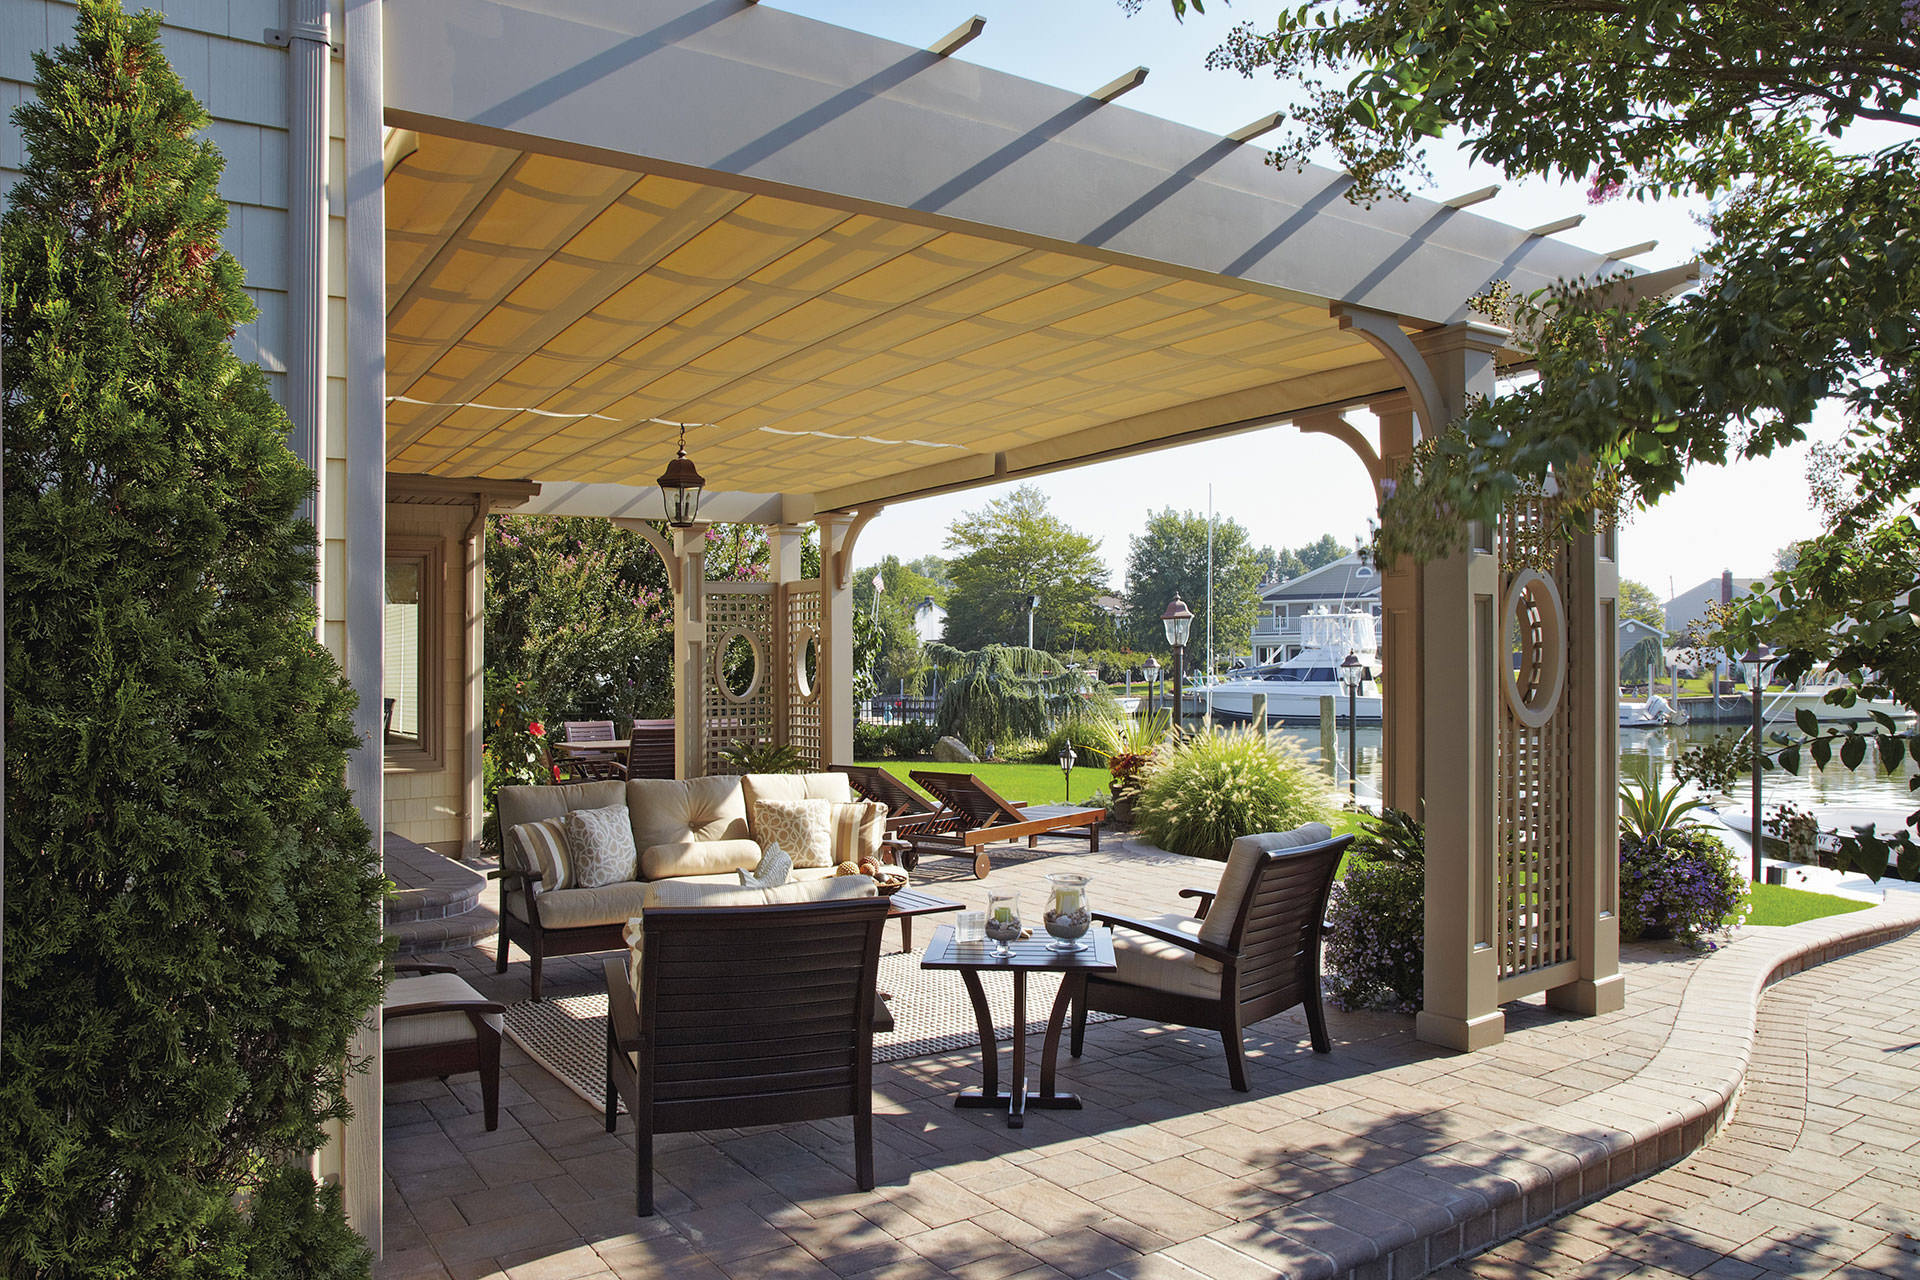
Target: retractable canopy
x=860 y=271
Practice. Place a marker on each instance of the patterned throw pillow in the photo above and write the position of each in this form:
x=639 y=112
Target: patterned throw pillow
x=600 y=843
x=543 y=847
x=859 y=827
x=775 y=866
x=804 y=828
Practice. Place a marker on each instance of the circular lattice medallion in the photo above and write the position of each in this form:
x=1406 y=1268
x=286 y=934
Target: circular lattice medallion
x=806 y=659
x=727 y=653
x=1534 y=642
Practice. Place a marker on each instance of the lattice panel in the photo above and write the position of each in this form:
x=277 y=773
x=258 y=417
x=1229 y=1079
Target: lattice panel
x=743 y=712
x=802 y=688
x=1534 y=863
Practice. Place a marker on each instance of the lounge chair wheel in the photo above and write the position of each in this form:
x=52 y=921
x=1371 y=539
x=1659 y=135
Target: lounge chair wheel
x=981 y=865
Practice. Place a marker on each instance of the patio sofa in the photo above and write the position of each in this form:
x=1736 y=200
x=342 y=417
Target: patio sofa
x=693 y=830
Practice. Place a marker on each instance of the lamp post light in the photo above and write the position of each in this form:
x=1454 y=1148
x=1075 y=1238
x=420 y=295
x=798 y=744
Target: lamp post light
x=1178 y=621
x=1350 y=672
x=1756 y=660
x=1066 y=768
x=1149 y=672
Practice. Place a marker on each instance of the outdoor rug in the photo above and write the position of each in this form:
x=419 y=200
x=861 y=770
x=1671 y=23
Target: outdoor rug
x=931 y=1014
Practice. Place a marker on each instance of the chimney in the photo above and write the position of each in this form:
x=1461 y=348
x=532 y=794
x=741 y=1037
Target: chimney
x=1726 y=586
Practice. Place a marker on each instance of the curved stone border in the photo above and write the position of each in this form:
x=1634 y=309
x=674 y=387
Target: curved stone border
x=1408 y=1220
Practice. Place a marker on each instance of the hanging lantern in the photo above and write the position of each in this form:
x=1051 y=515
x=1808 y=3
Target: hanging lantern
x=680 y=485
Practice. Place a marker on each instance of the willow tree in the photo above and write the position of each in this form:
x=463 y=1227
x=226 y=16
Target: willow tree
x=1002 y=692
x=192 y=904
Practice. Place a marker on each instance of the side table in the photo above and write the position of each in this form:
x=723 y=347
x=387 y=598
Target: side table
x=1029 y=955
x=905 y=904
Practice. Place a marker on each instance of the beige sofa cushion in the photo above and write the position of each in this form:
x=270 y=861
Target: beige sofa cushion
x=682 y=810
x=1162 y=966
x=698 y=858
x=519 y=805
x=575 y=908
x=1247 y=851
x=795 y=786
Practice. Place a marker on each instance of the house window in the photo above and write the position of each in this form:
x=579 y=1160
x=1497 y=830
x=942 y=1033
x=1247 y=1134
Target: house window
x=412 y=710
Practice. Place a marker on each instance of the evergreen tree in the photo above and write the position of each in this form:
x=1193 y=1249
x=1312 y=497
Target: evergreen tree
x=192 y=902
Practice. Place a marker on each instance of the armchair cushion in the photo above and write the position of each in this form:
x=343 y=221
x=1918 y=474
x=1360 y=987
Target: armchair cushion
x=690 y=893
x=600 y=846
x=698 y=858
x=1163 y=966
x=1244 y=858
x=432 y=1028
x=804 y=828
x=543 y=848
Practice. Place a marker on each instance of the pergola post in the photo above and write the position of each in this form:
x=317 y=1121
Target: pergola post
x=1593 y=644
x=784 y=544
x=689 y=651
x=1401 y=747
x=835 y=675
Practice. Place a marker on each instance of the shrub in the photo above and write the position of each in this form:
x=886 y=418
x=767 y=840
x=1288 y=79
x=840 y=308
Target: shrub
x=910 y=740
x=192 y=901
x=1203 y=792
x=1376 y=953
x=1684 y=882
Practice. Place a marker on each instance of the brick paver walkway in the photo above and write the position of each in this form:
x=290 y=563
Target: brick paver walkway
x=1817 y=1175
x=1379 y=1160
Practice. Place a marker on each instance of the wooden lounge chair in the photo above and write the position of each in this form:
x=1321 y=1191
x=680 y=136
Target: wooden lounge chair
x=1251 y=951
x=746 y=1016
x=909 y=813
x=988 y=819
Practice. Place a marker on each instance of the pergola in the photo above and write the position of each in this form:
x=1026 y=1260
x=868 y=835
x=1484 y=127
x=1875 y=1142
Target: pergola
x=862 y=273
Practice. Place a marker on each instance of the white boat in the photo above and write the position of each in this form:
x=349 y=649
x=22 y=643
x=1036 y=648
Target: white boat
x=1655 y=712
x=1781 y=709
x=1293 y=688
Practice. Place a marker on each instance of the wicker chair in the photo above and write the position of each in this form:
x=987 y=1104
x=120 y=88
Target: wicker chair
x=746 y=1016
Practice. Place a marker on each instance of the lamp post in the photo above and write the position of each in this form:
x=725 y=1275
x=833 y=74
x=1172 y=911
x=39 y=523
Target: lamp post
x=1150 y=671
x=1066 y=768
x=1756 y=660
x=1033 y=603
x=1178 y=621
x=1350 y=670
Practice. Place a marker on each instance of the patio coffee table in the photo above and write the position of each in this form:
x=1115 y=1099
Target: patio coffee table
x=905 y=904
x=1029 y=955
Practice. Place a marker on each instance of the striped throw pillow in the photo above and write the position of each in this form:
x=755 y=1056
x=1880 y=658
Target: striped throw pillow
x=543 y=847
x=859 y=827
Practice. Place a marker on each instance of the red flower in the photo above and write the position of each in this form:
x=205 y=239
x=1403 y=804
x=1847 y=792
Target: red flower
x=537 y=729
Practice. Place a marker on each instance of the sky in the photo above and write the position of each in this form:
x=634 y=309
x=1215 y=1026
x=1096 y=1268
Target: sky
x=1284 y=487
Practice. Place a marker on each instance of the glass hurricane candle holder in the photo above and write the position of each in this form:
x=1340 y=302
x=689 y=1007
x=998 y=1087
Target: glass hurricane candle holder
x=1003 y=921
x=1068 y=914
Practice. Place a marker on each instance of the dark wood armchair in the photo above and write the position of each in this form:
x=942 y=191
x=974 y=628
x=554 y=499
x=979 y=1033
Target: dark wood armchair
x=1251 y=951
x=436 y=1025
x=746 y=1016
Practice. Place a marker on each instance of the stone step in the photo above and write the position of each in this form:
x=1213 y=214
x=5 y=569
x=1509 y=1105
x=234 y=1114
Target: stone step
x=436 y=904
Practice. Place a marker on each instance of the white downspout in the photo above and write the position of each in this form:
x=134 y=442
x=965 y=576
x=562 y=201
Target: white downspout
x=309 y=37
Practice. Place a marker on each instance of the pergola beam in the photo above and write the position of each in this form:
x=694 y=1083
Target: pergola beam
x=961 y=36
x=1124 y=84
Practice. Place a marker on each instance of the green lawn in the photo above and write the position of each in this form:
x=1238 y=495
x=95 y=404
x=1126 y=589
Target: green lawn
x=1776 y=905
x=1017 y=783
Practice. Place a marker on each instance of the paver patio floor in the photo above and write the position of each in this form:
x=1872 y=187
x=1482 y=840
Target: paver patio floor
x=1167 y=1172
x=1814 y=1176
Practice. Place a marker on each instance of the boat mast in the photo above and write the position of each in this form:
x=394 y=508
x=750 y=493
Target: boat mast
x=1209 y=606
